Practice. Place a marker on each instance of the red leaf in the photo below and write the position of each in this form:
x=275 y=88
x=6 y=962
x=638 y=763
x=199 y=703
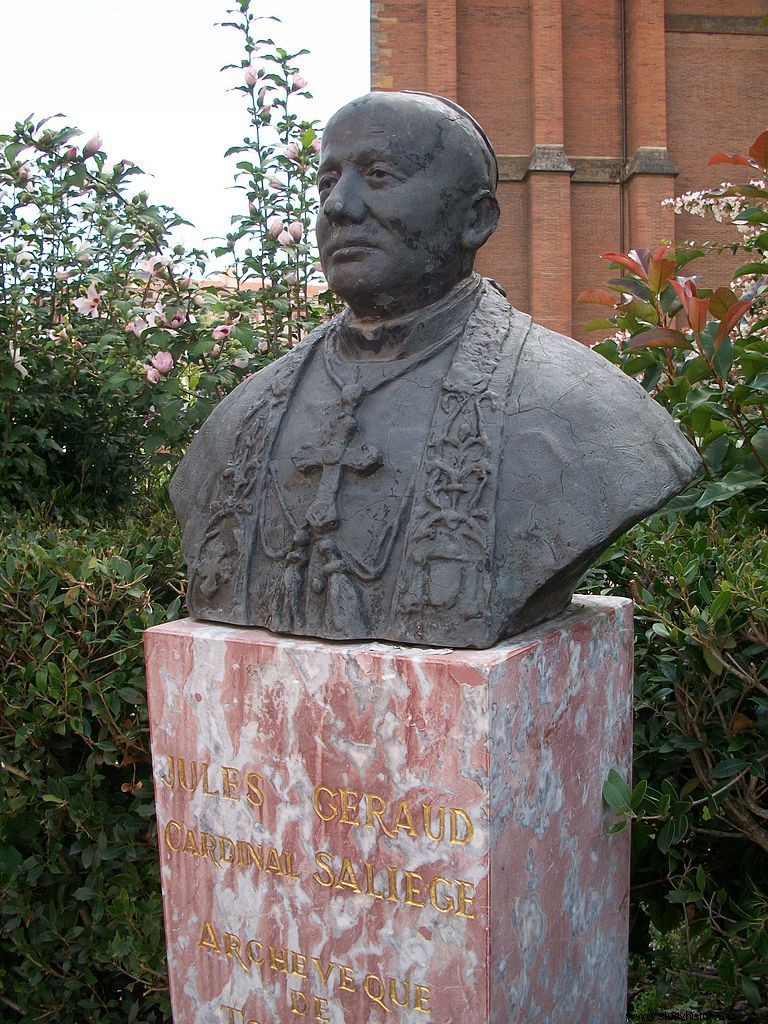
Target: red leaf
x=726 y=158
x=731 y=318
x=697 y=313
x=661 y=253
x=624 y=261
x=600 y=296
x=660 y=273
x=758 y=151
x=658 y=337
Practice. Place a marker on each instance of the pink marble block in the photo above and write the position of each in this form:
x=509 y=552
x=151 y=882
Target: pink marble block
x=360 y=833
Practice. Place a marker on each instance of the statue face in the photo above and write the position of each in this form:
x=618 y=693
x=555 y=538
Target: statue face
x=397 y=196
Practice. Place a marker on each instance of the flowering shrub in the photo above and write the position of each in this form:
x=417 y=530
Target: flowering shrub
x=698 y=575
x=703 y=352
x=114 y=345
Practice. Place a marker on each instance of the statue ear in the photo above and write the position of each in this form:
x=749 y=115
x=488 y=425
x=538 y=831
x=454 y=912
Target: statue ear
x=482 y=221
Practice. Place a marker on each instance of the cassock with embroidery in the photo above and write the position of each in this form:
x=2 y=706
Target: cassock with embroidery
x=447 y=489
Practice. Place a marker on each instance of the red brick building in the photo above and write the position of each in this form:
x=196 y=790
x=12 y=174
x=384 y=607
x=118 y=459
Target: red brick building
x=597 y=112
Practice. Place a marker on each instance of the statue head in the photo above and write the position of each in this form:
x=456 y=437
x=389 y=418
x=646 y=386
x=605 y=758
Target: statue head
x=407 y=196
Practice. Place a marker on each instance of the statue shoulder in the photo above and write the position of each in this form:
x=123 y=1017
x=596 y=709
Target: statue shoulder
x=601 y=411
x=214 y=442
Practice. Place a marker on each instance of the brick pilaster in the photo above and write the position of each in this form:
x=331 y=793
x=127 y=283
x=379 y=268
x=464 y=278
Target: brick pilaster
x=441 y=48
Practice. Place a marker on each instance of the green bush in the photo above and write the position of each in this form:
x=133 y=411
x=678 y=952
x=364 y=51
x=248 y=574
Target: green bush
x=699 y=575
x=80 y=912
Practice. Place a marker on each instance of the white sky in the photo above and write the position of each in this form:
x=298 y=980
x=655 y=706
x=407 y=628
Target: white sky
x=145 y=75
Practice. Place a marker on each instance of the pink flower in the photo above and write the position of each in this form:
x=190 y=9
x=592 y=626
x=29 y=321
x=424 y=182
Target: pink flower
x=155 y=264
x=62 y=275
x=299 y=82
x=261 y=99
x=251 y=76
x=70 y=154
x=292 y=151
x=163 y=361
x=276 y=226
x=25 y=172
x=241 y=362
x=92 y=146
x=222 y=332
x=315 y=147
x=136 y=325
x=89 y=304
x=275 y=183
x=296 y=230
x=178 y=318
x=262 y=346
x=198 y=300
x=83 y=254
x=292 y=278
x=152 y=375
x=284 y=238
x=216 y=350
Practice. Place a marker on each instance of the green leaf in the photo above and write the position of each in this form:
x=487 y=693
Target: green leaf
x=728 y=767
x=751 y=991
x=616 y=792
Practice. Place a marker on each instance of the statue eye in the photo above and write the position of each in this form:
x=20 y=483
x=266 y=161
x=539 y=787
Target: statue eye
x=326 y=183
x=379 y=175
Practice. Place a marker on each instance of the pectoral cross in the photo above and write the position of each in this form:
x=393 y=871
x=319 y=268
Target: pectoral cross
x=333 y=456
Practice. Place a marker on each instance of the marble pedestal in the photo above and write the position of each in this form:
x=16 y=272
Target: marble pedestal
x=363 y=833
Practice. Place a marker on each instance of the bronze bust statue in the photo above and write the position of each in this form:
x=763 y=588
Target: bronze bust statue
x=430 y=466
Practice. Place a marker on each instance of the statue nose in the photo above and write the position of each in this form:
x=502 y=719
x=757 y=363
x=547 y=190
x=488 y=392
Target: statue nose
x=344 y=205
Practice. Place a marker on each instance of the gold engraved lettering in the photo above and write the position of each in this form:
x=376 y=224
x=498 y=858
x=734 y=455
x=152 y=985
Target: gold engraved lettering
x=250 y=946
x=206 y=788
x=427 y=813
x=299 y=1002
x=392 y=875
x=375 y=806
x=404 y=819
x=208 y=847
x=466 y=895
x=229 y=785
x=469 y=829
x=278 y=959
x=169 y=782
x=180 y=828
x=323 y=859
x=349 y=807
x=370 y=887
x=181 y=770
x=247 y=853
x=421 y=998
x=273 y=862
x=255 y=795
x=347 y=878
x=190 y=844
x=226 y=850
x=317 y=803
x=449 y=904
x=208 y=939
x=393 y=993
x=298 y=963
x=232 y=947
x=232 y=1010
x=373 y=987
x=319 y=1005
x=288 y=862
x=324 y=973
x=346 y=979
x=412 y=892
